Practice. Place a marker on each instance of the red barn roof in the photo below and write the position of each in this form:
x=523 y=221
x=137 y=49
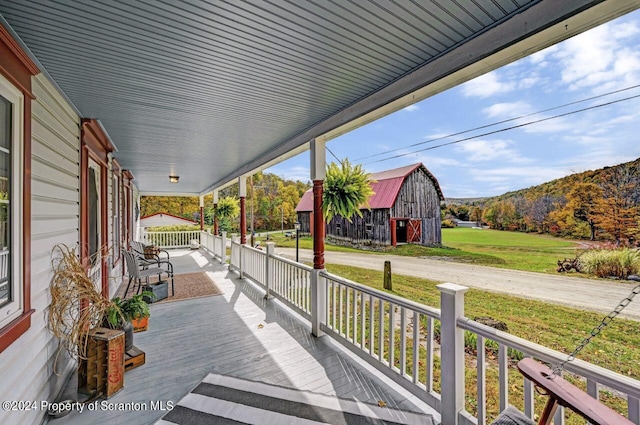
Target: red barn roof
x=386 y=187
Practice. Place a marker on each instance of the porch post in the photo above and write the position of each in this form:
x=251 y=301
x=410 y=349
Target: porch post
x=318 y=283
x=201 y=212
x=451 y=352
x=215 y=212
x=242 y=182
x=318 y=174
x=223 y=248
x=268 y=269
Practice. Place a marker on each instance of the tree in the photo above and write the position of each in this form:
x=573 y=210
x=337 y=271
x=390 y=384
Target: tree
x=347 y=189
x=618 y=212
x=585 y=202
x=501 y=215
x=476 y=215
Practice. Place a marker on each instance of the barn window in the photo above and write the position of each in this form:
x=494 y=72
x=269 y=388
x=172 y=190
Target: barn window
x=369 y=228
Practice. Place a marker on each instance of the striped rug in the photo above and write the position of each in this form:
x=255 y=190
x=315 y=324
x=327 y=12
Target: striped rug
x=225 y=400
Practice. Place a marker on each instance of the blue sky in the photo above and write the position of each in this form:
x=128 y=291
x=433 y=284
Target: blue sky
x=602 y=60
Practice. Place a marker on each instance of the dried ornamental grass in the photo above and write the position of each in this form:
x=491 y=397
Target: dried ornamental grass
x=70 y=288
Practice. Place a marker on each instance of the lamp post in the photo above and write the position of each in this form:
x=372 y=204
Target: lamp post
x=297 y=226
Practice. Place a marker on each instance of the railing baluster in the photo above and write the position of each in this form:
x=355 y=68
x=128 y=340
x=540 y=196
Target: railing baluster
x=335 y=313
x=503 y=376
x=380 y=329
x=416 y=346
x=363 y=314
x=347 y=331
x=340 y=311
x=403 y=341
x=429 y=360
x=481 y=383
x=529 y=399
x=634 y=410
x=355 y=317
x=371 y=323
x=392 y=334
x=558 y=418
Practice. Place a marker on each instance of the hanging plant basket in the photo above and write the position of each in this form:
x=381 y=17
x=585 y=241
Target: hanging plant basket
x=347 y=189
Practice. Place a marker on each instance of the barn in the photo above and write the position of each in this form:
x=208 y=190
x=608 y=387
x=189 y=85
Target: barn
x=404 y=209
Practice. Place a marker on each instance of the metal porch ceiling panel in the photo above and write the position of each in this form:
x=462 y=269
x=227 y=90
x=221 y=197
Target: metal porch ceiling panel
x=203 y=88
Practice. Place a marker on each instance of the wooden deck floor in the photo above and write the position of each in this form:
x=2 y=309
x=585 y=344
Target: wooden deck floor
x=237 y=334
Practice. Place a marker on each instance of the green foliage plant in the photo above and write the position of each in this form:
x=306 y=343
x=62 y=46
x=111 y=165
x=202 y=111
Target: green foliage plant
x=125 y=310
x=347 y=189
x=610 y=262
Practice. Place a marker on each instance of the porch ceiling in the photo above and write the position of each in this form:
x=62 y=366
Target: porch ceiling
x=211 y=90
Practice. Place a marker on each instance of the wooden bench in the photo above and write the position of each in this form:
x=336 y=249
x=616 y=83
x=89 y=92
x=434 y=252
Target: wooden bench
x=563 y=393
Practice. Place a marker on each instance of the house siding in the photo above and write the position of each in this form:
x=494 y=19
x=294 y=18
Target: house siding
x=27 y=366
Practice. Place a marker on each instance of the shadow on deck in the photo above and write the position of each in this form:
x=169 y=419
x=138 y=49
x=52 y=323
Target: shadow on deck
x=237 y=334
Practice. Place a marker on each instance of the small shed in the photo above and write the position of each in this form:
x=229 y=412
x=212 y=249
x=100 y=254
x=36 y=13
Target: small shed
x=164 y=219
x=405 y=208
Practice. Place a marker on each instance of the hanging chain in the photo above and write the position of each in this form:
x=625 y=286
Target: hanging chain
x=557 y=370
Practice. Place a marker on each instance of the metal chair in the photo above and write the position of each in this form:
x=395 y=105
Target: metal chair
x=151 y=269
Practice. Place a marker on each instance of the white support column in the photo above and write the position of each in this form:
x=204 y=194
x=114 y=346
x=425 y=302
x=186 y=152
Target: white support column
x=223 y=248
x=318 y=283
x=318 y=302
x=268 y=269
x=451 y=351
x=318 y=168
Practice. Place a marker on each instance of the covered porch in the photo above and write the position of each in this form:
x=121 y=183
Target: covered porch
x=238 y=334
x=132 y=98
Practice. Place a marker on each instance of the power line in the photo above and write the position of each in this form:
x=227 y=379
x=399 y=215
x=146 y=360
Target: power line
x=334 y=155
x=498 y=123
x=508 y=128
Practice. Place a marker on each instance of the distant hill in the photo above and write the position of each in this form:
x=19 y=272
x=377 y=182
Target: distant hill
x=562 y=186
x=597 y=204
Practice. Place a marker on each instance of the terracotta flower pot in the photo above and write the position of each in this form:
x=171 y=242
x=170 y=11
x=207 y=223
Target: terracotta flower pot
x=140 y=325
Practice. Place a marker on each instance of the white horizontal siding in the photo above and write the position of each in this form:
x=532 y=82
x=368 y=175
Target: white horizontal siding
x=27 y=366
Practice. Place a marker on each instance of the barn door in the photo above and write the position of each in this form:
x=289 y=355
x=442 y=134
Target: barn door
x=414 y=231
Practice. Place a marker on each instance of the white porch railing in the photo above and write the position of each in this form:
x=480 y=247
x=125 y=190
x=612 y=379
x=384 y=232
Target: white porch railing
x=405 y=340
x=216 y=245
x=171 y=239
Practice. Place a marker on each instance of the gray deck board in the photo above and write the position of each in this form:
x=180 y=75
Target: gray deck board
x=188 y=339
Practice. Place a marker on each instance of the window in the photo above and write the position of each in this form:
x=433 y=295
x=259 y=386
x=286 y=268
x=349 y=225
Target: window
x=11 y=133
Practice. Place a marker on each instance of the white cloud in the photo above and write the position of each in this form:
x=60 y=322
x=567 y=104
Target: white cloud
x=487 y=85
x=599 y=59
x=411 y=108
x=507 y=109
x=519 y=176
x=489 y=150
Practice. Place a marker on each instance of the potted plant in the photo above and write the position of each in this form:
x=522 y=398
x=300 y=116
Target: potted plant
x=137 y=310
x=123 y=313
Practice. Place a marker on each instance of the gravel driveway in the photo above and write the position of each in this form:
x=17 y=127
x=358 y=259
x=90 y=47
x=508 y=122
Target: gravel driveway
x=589 y=294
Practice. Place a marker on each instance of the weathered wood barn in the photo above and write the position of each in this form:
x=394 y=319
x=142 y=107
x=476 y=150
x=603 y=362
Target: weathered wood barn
x=405 y=208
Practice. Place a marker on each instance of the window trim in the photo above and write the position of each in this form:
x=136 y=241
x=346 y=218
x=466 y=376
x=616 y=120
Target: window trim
x=15 y=308
x=18 y=68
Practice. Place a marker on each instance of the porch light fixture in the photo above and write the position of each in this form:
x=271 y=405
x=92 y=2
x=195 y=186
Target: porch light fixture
x=174 y=179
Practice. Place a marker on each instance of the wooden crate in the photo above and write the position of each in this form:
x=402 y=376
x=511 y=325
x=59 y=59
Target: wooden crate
x=133 y=358
x=102 y=372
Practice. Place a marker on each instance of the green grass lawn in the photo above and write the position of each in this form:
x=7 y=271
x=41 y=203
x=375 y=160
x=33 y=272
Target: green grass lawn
x=519 y=251
x=511 y=250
